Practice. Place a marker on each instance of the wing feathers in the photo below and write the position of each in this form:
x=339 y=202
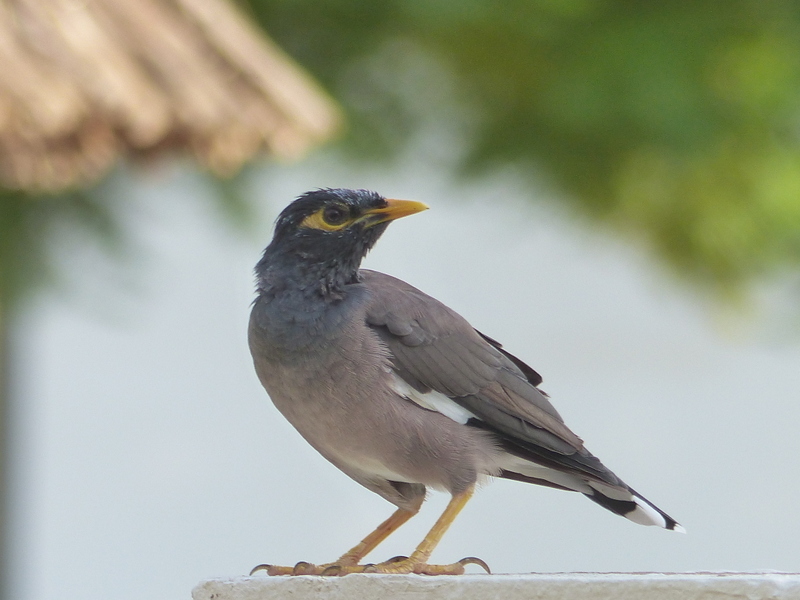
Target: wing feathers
x=434 y=348
x=532 y=376
x=524 y=407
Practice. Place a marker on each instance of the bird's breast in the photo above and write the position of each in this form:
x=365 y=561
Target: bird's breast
x=291 y=324
x=306 y=350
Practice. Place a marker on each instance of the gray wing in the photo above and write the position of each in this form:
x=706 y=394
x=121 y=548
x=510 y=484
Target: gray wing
x=434 y=348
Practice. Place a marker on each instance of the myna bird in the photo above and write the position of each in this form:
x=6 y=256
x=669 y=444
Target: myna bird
x=396 y=389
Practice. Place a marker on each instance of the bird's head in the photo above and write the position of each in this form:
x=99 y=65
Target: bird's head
x=325 y=234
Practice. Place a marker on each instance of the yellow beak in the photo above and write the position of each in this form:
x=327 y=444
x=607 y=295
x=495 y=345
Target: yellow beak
x=394 y=209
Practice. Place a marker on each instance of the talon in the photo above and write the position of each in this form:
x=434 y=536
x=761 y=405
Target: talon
x=332 y=570
x=303 y=568
x=262 y=567
x=395 y=559
x=272 y=570
x=474 y=560
x=370 y=568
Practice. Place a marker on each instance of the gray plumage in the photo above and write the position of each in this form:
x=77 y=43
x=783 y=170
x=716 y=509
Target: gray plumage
x=393 y=387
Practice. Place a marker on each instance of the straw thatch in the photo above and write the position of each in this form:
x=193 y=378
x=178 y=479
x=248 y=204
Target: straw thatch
x=83 y=82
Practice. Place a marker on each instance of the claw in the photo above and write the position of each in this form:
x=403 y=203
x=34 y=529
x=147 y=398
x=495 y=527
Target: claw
x=272 y=570
x=474 y=560
x=394 y=559
x=262 y=567
x=370 y=568
x=303 y=568
x=332 y=571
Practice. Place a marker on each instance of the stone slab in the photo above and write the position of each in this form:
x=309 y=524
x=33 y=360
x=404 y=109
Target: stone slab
x=544 y=586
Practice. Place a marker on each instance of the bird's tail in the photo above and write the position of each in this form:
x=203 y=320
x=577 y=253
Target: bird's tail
x=613 y=495
x=628 y=503
x=583 y=472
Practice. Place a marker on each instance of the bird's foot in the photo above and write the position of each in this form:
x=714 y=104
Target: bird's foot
x=301 y=568
x=404 y=564
x=396 y=565
x=307 y=568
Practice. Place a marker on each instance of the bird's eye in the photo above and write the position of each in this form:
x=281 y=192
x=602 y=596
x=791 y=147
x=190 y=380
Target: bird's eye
x=329 y=218
x=335 y=215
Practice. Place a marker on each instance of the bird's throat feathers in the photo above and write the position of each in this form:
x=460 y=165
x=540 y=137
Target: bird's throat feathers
x=285 y=269
x=302 y=314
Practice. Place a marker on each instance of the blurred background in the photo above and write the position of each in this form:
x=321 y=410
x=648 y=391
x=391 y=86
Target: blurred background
x=615 y=194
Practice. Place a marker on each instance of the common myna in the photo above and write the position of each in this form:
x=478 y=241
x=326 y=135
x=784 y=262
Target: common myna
x=396 y=389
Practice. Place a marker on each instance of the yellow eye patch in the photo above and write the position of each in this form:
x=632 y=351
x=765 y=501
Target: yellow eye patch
x=328 y=218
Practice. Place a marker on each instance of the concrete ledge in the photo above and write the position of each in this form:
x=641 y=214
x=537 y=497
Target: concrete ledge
x=551 y=586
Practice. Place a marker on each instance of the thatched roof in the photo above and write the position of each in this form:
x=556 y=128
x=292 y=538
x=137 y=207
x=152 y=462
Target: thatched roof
x=83 y=82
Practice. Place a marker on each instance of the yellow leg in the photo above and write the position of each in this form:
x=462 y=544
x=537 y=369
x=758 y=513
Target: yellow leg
x=352 y=557
x=416 y=563
x=369 y=543
x=430 y=541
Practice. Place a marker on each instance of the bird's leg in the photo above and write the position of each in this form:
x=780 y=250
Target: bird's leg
x=418 y=561
x=350 y=559
x=369 y=543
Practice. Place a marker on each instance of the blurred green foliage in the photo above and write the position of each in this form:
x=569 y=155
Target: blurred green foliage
x=676 y=122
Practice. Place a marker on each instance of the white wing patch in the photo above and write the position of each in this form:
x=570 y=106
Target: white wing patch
x=432 y=400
